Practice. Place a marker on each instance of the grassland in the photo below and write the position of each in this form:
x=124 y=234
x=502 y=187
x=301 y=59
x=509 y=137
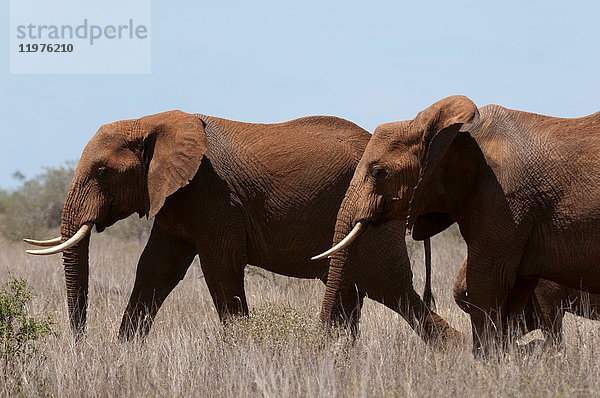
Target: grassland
x=280 y=350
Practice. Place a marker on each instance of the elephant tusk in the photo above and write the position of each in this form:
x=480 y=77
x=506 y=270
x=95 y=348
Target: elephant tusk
x=49 y=242
x=356 y=232
x=79 y=235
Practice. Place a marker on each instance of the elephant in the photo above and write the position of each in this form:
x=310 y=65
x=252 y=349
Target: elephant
x=234 y=194
x=523 y=188
x=545 y=309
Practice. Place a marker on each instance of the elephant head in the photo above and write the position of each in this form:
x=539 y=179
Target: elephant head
x=128 y=166
x=393 y=181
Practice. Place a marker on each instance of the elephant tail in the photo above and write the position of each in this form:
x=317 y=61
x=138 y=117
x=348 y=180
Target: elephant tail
x=427 y=294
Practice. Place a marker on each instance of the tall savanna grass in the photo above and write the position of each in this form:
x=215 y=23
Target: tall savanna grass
x=280 y=350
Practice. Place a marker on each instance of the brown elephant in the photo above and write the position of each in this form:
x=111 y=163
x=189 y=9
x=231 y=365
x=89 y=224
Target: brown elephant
x=235 y=194
x=545 y=309
x=523 y=188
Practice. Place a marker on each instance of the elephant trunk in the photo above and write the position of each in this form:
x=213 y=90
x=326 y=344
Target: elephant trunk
x=75 y=261
x=339 y=275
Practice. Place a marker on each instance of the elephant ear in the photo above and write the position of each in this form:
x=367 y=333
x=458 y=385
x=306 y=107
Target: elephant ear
x=173 y=144
x=440 y=123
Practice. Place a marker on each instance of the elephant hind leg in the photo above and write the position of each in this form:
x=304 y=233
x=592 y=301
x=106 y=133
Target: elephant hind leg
x=548 y=317
x=554 y=328
x=225 y=280
x=552 y=301
x=163 y=263
x=520 y=307
x=531 y=316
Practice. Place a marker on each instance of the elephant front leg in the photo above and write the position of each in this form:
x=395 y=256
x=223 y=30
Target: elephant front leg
x=495 y=300
x=162 y=265
x=402 y=298
x=346 y=312
x=430 y=326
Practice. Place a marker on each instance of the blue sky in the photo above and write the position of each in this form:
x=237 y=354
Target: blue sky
x=369 y=62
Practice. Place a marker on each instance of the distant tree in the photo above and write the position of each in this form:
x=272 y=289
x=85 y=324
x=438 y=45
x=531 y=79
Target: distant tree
x=18 y=175
x=34 y=208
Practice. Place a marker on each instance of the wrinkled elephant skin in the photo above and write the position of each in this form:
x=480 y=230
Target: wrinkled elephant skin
x=235 y=194
x=523 y=188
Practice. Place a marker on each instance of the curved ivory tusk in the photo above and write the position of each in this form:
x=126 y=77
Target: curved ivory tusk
x=79 y=235
x=49 y=242
x=357 y=231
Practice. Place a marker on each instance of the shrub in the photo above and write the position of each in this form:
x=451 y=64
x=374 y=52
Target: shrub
x=274 y=327
x=18 y=330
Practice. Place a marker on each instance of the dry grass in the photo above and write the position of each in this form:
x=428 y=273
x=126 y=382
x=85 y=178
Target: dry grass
x=280 y=350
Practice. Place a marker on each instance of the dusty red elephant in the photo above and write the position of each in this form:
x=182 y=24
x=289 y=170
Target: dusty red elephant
x=545 y=309
x=523 y=188
x=235 y=194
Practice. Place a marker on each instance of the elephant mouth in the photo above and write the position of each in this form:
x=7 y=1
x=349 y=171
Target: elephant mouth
x=375 y=222
x=102 y=225
x=385 y=209
x=111 y=216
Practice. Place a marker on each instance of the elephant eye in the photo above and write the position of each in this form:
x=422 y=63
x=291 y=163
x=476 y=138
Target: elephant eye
x=378 y=173
x=102 y=172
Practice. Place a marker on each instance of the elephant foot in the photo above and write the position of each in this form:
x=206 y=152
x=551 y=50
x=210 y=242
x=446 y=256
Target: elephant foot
x=436 y=331
x=531 y=347
x=449 y=338
x=136 y=327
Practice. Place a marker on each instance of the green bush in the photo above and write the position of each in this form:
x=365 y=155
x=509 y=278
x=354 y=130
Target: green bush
x=18 y=330
x=274 y=327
